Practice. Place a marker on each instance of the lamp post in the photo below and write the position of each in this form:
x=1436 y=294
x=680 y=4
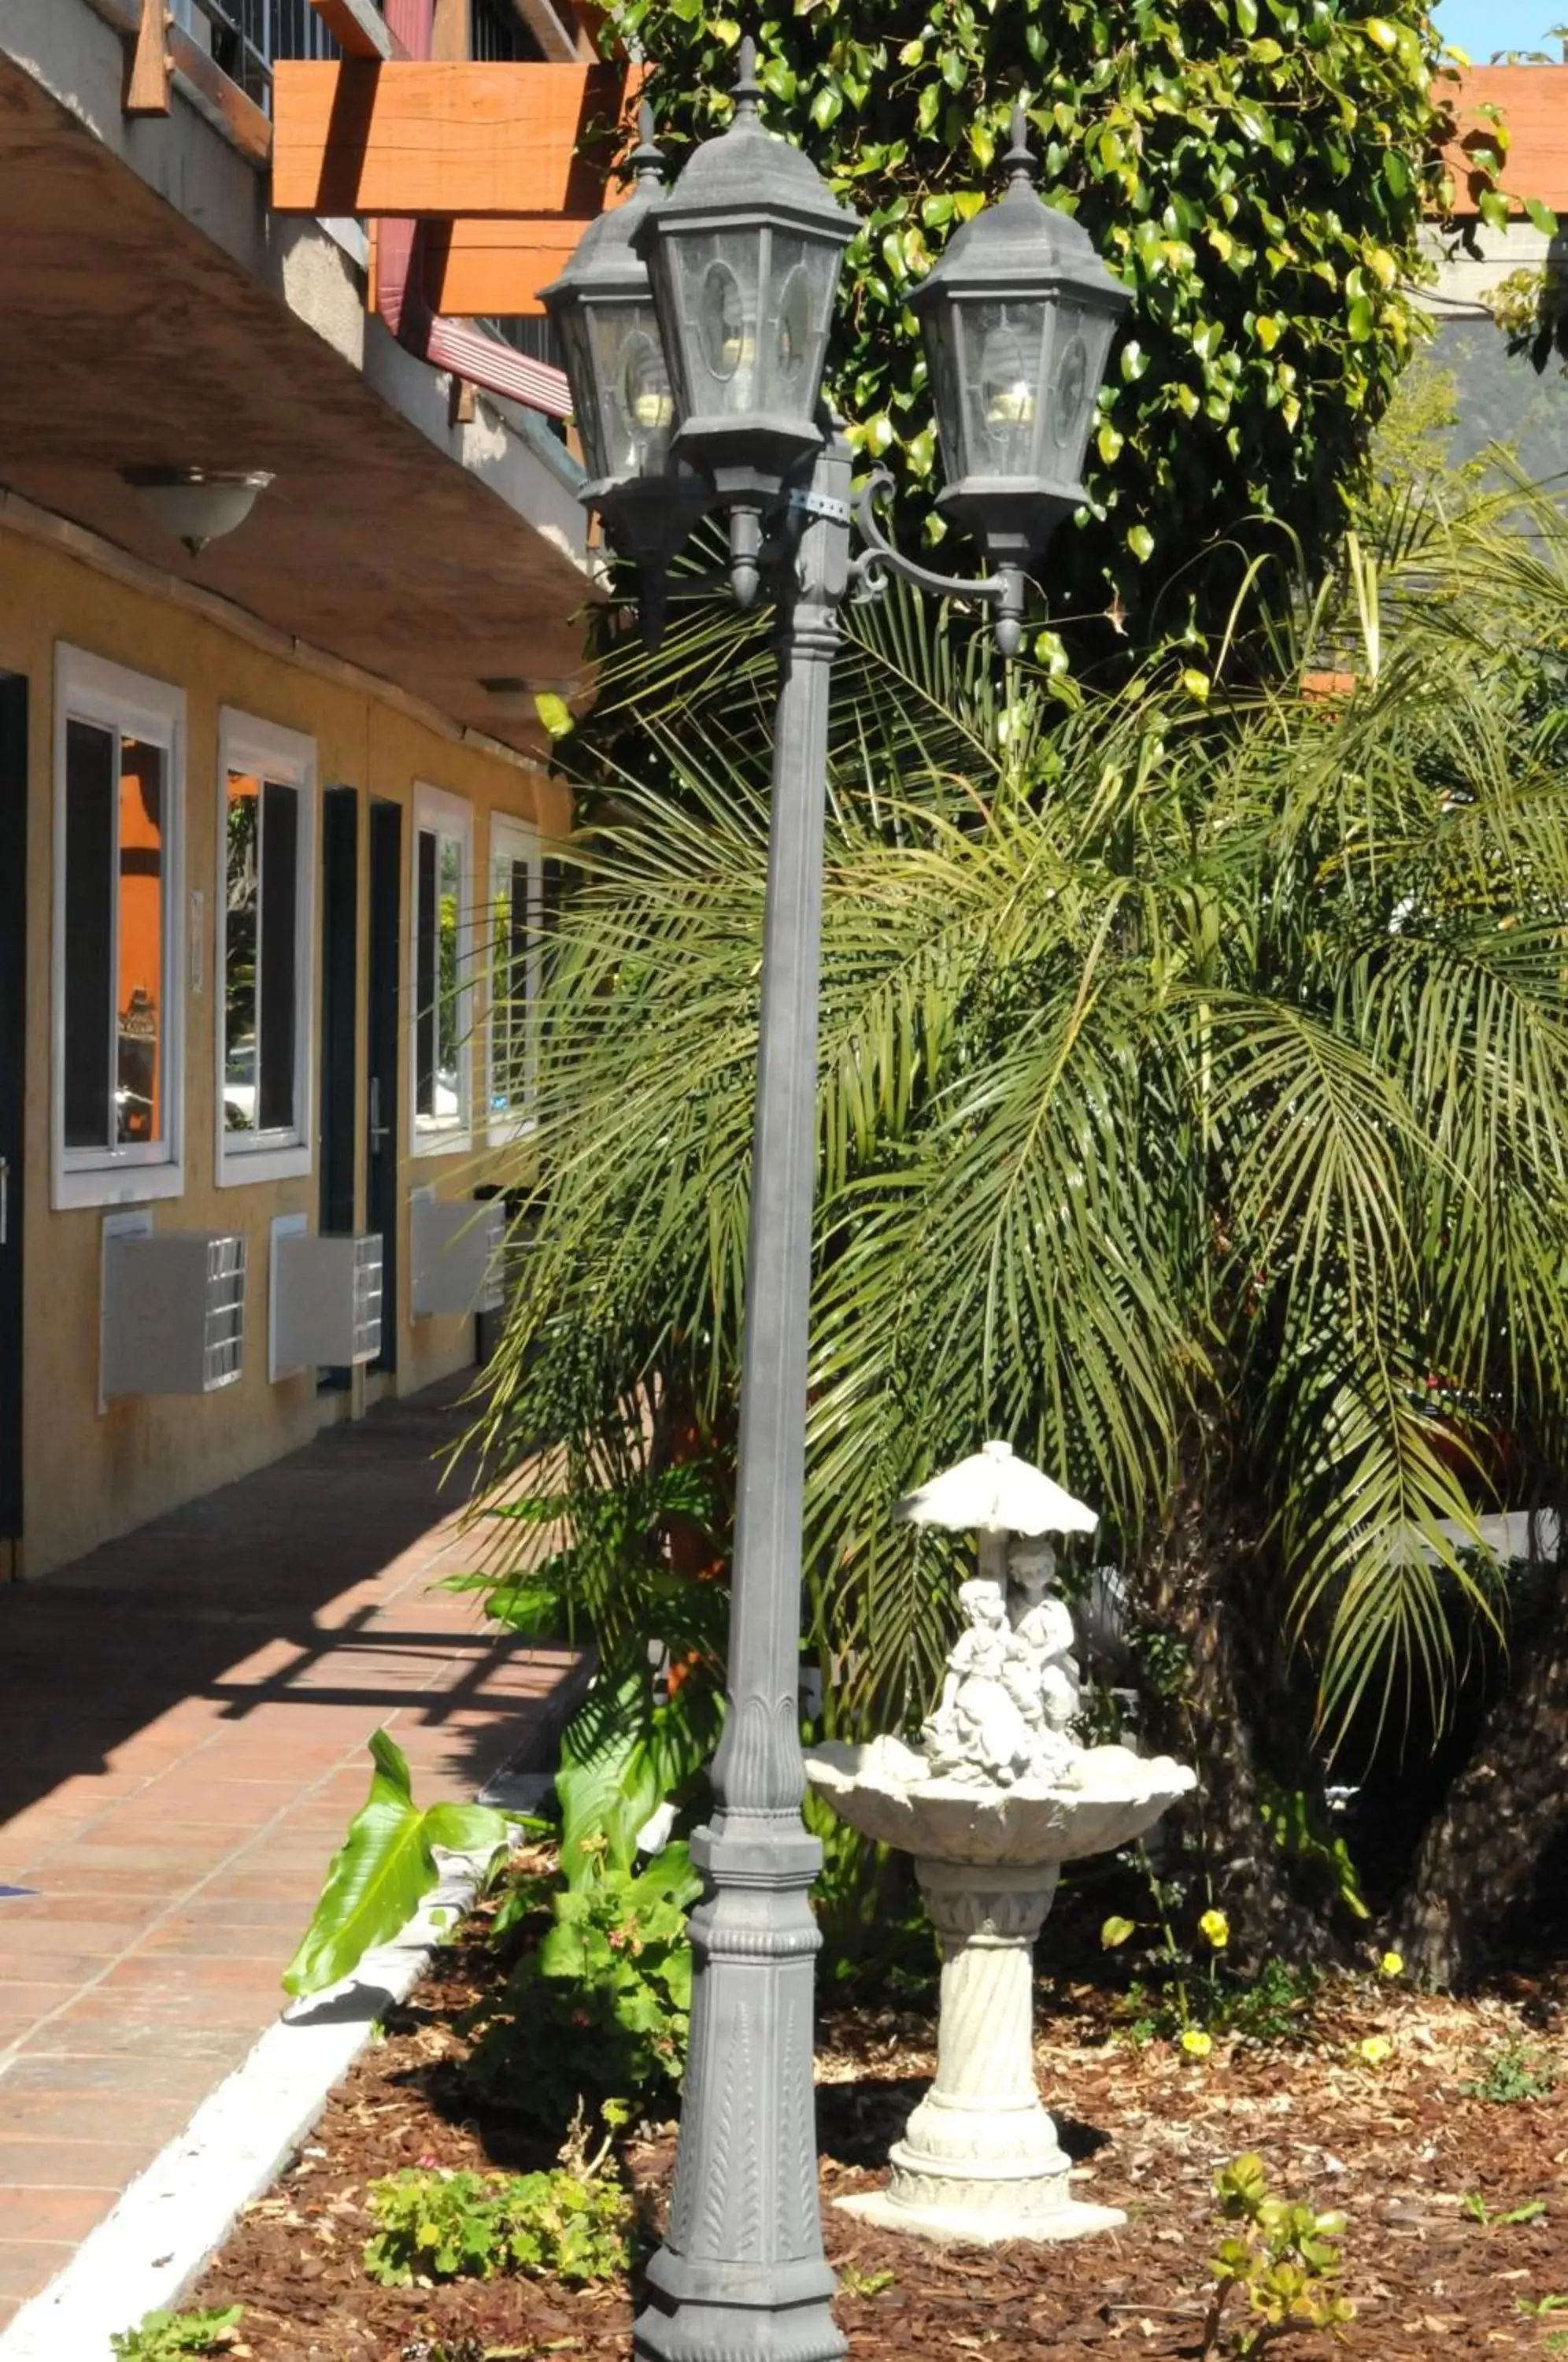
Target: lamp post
x=740 y=262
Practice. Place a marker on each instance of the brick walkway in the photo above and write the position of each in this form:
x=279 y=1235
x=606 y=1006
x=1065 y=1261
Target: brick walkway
x=183 y=1726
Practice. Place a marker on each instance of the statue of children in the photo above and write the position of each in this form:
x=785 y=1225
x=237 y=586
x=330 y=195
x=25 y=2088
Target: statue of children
x=1042 y=1631
x=978 y=1727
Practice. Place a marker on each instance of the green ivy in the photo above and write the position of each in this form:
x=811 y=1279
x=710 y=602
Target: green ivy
x=1255 y=170
x=436 y=2225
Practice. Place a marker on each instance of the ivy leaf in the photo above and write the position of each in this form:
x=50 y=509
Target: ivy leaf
x=1359 y=320
x=1493 y=208
x=827 y=106
x=554 y=712
x=1140 y=542
x=1543 y=217
x=1115 y=1932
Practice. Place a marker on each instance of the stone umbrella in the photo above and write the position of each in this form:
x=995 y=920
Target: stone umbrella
x=993 y=1493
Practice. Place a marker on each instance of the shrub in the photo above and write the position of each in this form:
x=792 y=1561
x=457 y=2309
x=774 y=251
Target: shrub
x=437 y=2225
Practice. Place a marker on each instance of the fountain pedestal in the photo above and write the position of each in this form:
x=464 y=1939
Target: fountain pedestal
x=980 y=2159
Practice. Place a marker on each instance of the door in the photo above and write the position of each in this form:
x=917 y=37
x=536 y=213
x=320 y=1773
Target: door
x=13 y=1023
x=339 y=1012
x=383 y=1035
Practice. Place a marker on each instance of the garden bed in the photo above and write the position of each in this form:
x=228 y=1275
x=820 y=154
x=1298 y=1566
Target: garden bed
x=1424 y=2169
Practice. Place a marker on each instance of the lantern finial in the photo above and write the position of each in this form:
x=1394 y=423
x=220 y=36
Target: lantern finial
x=1022 y=164
x=748 y=90
x=647 y=157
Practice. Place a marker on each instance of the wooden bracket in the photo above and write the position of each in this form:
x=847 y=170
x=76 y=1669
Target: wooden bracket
x=359 y=27
x=147 y=85
x=462 y=402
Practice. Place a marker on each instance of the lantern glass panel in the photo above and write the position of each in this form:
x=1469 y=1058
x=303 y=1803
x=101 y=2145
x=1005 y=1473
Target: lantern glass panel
x=1004 y=345
x=801 y=276
x=636 y=411
x=716 y=276
x=1081 y=346
x=582 y=377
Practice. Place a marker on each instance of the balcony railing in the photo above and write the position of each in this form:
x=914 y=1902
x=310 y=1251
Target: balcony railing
x=243 y=37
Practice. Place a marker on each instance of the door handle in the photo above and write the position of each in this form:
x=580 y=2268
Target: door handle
x=4 y=1201
x=379 y=1130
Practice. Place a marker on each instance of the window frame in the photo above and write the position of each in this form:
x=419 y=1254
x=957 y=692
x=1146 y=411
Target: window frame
x=267 y=751
x=515 y=838
x=107 y=696
x=439 y=814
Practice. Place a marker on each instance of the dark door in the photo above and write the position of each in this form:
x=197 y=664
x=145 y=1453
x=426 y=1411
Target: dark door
x=383 y=1044
x=13 y=1020
x=340 y=995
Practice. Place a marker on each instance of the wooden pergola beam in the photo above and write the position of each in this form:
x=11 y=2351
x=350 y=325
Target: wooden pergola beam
x=415 y=139
x=151 y=67
x=494 y=270
x=358 y=26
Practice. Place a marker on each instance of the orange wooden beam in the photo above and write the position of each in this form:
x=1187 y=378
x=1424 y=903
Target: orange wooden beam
x=358 y=26
x=147 y=84
x=415 y=139
x=480 y=270
x=1534 y=103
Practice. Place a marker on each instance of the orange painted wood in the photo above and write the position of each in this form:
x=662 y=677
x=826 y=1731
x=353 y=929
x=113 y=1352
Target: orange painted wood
x=1533 y=100
x=146 y=88
x=415 y=139
x=479 y=269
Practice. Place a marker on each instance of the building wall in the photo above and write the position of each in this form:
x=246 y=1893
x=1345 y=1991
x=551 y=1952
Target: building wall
x=88 y=1473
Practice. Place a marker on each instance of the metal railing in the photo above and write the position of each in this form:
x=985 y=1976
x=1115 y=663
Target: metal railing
x=245 y=37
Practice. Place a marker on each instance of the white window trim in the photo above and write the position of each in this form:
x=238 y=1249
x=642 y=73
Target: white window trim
x=88 y=687
x=452 y=816
x=512 y=839
x=265 y=749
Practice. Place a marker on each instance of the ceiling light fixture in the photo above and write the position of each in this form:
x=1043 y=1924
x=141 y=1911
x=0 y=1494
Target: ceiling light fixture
x=196 y=505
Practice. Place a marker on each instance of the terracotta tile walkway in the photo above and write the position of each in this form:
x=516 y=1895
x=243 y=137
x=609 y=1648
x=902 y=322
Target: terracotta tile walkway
x=182 y=1724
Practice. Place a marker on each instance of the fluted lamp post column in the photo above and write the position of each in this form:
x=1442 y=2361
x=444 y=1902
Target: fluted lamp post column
x=737 y=266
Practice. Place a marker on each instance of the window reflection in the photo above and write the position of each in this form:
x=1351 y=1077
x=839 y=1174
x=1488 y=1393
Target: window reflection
x=440 y=1096
x=260 y=955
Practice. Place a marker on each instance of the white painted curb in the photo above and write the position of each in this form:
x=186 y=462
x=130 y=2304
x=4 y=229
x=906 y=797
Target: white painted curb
x=145 y=2254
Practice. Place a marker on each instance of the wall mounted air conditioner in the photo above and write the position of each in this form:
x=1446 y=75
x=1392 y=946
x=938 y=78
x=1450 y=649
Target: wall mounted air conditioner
x=172 y=1309
x=324 y=1299
x=456 y=1246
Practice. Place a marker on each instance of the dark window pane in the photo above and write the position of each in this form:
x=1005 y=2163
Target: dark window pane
x=241 y=897
x=425 y=975
x=138 y=998
x=276 y=998
x=88 y=949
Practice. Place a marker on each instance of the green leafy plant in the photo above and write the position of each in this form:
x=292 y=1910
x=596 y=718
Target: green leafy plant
x=164 y=2336
x=384 y=1869
x=1475 y=2206
x=435 y=2226
x=1278 y=2261
x=1540 y=2308
x=602 y=2004
x=1513 y=2073
x=1256 y=176
x=853 y=2281
x=1299 y=1831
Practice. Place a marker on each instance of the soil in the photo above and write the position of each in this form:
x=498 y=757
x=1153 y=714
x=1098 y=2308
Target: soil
x=1412 y=2157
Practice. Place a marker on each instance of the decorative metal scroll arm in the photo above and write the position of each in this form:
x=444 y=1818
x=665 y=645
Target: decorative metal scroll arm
x=1004 y=589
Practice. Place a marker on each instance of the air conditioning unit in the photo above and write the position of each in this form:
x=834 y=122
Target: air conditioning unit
x=173 y=1309
x=457 y=1254
x=324 y=1299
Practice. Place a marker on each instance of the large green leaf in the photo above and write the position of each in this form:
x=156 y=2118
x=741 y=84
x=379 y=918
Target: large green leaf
x=383 y=1870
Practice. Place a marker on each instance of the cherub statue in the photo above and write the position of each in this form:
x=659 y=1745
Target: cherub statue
x=1042 y=1631
x=980 y=1729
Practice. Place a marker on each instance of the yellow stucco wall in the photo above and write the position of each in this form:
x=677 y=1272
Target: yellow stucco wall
x=89 y=1474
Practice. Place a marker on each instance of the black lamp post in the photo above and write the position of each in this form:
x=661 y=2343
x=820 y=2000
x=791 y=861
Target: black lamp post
x=740 y=262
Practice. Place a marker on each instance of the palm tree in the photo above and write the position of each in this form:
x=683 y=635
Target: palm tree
x=1193 y=1111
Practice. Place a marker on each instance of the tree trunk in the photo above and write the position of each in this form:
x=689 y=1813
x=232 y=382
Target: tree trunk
x=1502 y=1813
x=1208 y=1585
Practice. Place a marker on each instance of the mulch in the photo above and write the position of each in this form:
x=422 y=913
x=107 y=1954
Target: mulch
x=1399 y=2146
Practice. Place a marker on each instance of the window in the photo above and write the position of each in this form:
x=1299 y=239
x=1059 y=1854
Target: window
x=442 y=897
x=266 y=876
x=118 y=979
x=517 y=917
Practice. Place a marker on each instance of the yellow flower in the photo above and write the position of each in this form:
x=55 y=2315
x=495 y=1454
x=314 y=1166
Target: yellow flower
x=1391 y=1965
x=1377 y=2049
x=1217 y=1927
x=1195 y=2043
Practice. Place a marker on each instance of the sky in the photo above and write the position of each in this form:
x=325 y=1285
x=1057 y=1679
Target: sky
x=1482 y=26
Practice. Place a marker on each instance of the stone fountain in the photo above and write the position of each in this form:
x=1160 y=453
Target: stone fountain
x=996 y=1796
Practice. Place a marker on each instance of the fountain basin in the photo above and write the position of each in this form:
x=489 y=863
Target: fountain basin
x=1107 y=1797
